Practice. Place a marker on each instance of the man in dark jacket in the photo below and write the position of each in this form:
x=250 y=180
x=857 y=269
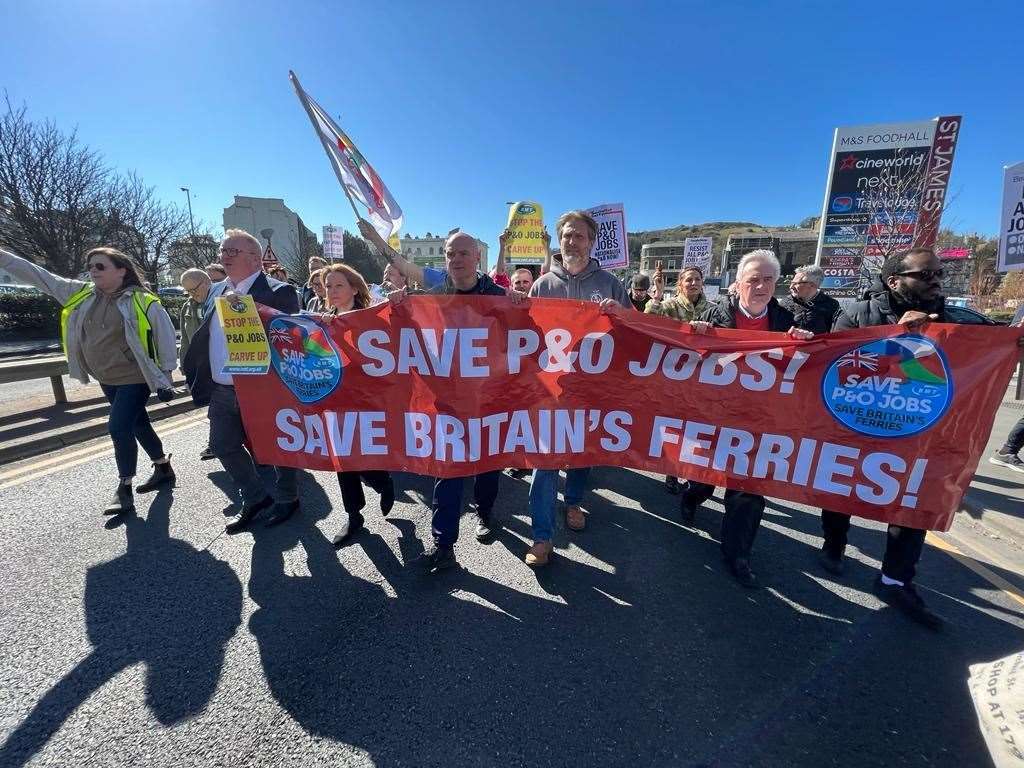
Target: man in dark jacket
x=462 y=259
x=908 y=292
x=203 y=365
x=753 y=308
x=813 y=309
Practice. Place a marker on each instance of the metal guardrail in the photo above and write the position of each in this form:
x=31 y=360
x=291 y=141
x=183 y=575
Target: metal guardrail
x=29 y=370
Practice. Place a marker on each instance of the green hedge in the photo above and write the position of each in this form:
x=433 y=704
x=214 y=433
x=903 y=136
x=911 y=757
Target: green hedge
x=40 y=312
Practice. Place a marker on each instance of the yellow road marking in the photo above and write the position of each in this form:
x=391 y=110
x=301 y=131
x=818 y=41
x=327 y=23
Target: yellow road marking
x=969 y=562
x=44 y=467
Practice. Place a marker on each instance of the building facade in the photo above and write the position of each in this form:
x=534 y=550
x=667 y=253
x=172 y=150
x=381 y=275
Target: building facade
x=428 y=251
x=292 y=241
x=792 y=247
x=669 y=253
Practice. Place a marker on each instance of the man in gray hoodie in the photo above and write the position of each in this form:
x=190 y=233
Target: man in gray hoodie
x=576 y=276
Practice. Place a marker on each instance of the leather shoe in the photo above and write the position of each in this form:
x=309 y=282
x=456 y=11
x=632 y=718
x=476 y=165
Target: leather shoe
x=123 y=501
x=833 y=565
x=247 y=515
x=355 y=525
x=745 y=576
x=539 y=554
x=281 y=512
x=163 y=474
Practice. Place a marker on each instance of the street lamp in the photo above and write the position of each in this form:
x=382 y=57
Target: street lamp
x=191 y=223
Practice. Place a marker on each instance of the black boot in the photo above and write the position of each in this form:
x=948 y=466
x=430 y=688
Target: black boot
x=163 y=474
x=247 y=515
x=906 y=599
x=387 y=497
x=123 y=501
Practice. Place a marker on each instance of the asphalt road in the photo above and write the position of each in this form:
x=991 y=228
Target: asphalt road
x=158 y=640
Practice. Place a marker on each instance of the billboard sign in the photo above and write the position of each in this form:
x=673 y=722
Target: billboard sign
x=1011 y=233
x=885 y=192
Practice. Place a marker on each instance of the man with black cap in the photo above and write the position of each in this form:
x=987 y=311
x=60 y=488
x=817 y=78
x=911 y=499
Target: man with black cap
x=909 y=293
x=639 y=291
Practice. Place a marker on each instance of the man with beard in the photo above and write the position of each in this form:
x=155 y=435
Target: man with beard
x=908 y=293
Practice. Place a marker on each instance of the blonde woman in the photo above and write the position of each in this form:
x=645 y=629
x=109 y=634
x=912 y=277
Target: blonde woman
x=115 y=331
x=346 y=291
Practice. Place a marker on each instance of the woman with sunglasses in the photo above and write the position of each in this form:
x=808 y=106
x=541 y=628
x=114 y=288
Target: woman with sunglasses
x=345 y=290
x=114 y=330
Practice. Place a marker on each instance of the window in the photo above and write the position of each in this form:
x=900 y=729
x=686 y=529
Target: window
x=431 y=251
x=671 y=263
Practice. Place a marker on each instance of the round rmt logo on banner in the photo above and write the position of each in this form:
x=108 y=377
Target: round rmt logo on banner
x=893 y=387
x=304 y=357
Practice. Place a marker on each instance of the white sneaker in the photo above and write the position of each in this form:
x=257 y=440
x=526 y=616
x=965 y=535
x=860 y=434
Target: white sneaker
x=1008 y=460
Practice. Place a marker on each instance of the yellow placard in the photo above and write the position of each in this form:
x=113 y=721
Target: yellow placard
x=395 y=243
x=526 y=238
x=248 y=349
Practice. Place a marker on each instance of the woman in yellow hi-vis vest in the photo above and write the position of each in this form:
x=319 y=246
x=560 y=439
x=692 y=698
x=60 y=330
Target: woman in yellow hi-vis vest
x=116 y=331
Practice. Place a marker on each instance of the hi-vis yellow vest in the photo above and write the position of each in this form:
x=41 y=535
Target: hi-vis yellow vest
x=141 y=302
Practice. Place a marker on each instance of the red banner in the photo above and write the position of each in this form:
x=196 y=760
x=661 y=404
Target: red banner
x=871 y=422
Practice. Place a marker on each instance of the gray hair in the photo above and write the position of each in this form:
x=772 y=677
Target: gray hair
x=760 y=256
x=199 y=275
x=813 y=273
x=243 y=235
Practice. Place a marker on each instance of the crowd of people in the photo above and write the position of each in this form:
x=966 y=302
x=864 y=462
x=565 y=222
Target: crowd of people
x=115 y=330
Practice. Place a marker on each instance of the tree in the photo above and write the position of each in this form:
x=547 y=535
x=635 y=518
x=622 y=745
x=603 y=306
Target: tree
x=362 y=258
x=142 y=226
x=1012 y=286
x=52 y=192
x=194 y=250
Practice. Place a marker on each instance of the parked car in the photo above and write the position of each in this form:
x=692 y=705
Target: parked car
x=15 y=288
x=959 y=314
x=171 y=290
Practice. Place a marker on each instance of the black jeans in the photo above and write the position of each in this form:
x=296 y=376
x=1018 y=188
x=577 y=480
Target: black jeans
x=743 y=512
x=129 y=426
x=227 y=440
x=351 y=484
x=1015 y=440
x=903 y=546
x=447 y=503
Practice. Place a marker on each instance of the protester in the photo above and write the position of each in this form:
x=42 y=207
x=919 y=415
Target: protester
x=347 y=291
x=216 y=272
x=1008 y=456
x=462 y=260
x=754 y=308
x=812 y=308
x=197 y=284
x=429 y=277
x=639 y=291
x=575 y=276
x=522 y=280
x=306 y=292
x=689 y=304
x=204 y=371
x=316 y=285
x=908 y=293
x=116 y=332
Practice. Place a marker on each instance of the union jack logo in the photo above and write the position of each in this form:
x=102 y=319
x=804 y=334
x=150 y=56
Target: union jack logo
x=860 y=359
x=281 y=336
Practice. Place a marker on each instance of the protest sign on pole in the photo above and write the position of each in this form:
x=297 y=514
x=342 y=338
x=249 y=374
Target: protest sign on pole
x=334 y=243
x=526 y=236
x=610 y=246
x=395 y=242
x=885 y=192
x=1011 y=231
x=697 y=253
x=451 y=388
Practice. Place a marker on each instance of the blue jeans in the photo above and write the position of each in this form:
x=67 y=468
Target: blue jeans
x=544 y=494
x=447 y=504
x=129 y=423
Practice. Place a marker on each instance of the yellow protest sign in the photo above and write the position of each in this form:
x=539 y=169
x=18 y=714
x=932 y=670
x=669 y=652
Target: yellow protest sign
x=394 y=242
x=526 y=236
x=248 y=349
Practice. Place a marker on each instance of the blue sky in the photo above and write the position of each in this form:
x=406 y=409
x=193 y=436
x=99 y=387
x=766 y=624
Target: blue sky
x=685 y=112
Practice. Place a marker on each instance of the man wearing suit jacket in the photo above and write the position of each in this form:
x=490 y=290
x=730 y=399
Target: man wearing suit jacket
x=204 y=362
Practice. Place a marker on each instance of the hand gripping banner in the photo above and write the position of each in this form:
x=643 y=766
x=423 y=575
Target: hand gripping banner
x=873 y=422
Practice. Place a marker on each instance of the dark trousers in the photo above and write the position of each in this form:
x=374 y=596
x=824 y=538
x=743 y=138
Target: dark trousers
x=743 y=512
x=227 y=439
x=129 y=426
x=903 y=546
x=1015 y=440
x=351 y=484
x=447 y=503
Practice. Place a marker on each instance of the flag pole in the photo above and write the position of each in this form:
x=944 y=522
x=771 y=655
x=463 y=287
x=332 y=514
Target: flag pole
x=309 y=113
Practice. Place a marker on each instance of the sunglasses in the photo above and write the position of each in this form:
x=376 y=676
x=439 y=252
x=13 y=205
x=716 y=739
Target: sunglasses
x=924 y=274
x=97 y=267
x=232 y=252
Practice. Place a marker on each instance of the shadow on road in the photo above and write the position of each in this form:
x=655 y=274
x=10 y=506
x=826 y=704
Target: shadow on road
x=164 y=604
